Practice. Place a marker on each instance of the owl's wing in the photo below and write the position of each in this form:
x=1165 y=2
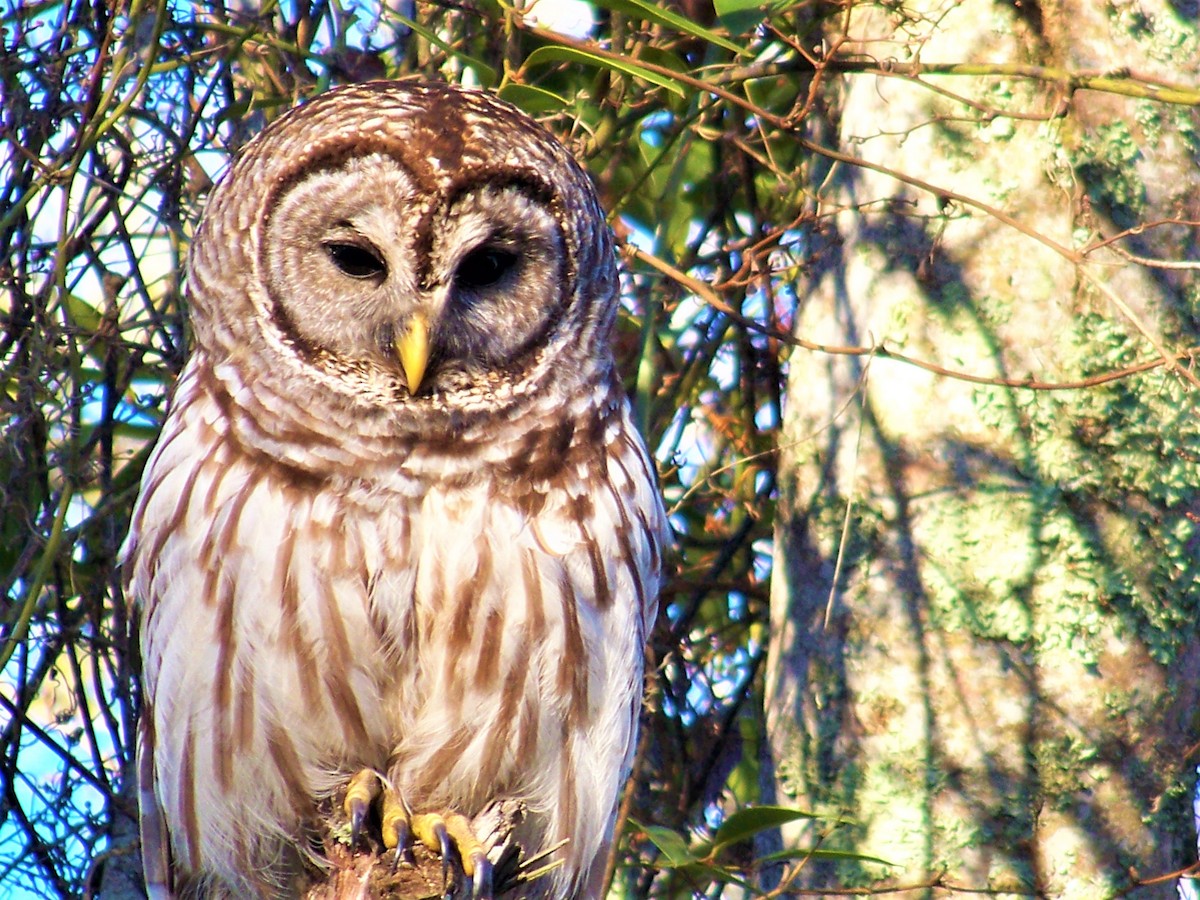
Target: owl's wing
x=156 y=842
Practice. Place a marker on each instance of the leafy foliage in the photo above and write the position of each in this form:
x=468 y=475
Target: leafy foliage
x=705 y=130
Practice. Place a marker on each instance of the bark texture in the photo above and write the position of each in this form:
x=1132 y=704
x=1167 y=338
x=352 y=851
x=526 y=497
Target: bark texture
x=998 y=681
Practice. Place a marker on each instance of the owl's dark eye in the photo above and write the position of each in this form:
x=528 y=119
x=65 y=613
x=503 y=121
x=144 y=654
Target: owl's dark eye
x=356 y=260
x=484 y=267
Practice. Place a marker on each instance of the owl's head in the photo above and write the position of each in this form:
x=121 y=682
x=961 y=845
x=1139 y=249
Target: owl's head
x=406 y=246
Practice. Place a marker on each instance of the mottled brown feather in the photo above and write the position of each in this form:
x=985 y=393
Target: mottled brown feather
x=451 y=587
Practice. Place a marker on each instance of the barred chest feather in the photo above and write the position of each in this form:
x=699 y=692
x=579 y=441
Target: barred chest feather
x=476 y=638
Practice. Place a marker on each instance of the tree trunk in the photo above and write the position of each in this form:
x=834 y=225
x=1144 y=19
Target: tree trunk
x=985 y=649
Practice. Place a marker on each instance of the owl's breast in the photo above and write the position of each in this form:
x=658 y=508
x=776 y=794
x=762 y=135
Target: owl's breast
x=519 y=626
x=476 y=643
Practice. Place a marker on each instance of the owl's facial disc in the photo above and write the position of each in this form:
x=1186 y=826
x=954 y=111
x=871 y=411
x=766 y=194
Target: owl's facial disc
x=444 y=292
x=497 y=268
x=486 y=268
x=336 y=255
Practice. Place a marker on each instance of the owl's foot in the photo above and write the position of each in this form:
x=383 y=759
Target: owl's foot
x=445 y=832
x=448 y=833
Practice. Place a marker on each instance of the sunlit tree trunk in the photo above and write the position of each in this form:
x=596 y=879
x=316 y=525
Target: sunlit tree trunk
x=984 y=646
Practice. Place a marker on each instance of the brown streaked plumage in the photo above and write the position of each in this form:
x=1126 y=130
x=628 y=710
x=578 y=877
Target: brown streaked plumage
x=398 y=517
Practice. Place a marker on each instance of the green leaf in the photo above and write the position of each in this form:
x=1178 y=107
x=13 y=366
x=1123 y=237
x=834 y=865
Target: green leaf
x=532 y=99
x=487 y=75
x=233 y=112
x=718 y=874
x=740 y=16
x=663 y=16
x=832 y=855
x=670 y=843
x=745 y=823
x=83 y=314
x=544 y=55
x=664 y=59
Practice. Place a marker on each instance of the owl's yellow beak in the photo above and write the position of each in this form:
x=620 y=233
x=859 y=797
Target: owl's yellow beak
x=413 y=349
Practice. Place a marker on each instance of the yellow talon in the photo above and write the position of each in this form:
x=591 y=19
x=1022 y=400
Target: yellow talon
x=362 y=790
x=442 y=832
x=360 y=794
x=394 y=820
x=435 y=829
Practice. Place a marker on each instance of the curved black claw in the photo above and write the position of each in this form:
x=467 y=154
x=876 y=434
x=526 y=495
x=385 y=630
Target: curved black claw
x=481 y=883
x=358 y=818
x=447 y=851
x=360 y=794
x=403 y=853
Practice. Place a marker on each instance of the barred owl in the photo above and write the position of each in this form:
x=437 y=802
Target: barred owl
x=399 y=540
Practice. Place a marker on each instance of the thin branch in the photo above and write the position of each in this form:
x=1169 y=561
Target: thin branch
x=880 y=351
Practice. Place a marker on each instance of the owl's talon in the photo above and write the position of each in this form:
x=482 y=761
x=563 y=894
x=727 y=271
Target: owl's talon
x=403 y=853
x=482 y=884
x=450 y=834
x=358 y=817
x=360 y=794
x=446 y=850
x=447 y=833
x=447 y=856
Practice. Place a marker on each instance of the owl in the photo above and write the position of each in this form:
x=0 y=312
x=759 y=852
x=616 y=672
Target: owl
x=399 y=540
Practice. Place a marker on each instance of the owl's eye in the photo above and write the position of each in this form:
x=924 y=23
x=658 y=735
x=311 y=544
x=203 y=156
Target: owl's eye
x=484 y=267
x=356 y=260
